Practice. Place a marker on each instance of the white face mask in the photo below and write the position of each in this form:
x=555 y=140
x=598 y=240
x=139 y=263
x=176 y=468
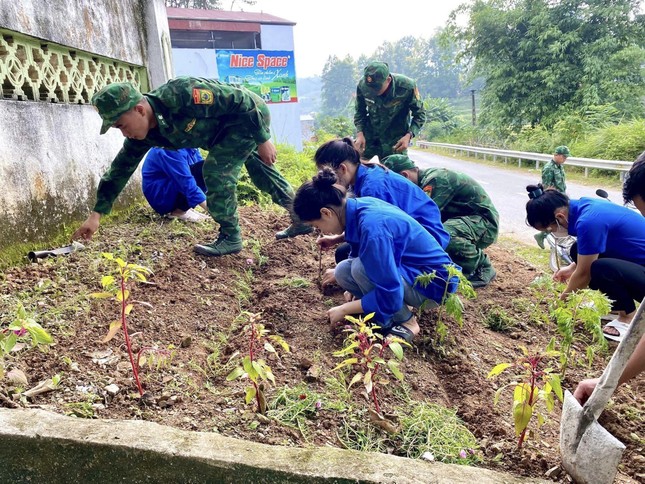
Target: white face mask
x=561 y=232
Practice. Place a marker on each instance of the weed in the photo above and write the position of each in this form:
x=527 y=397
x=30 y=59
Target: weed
x=427 y=427
x=357 y=434
x=497 y=319
x=295 y=282
x=294 y=407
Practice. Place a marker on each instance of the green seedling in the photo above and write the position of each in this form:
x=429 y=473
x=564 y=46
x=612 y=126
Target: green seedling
x=364 y=349
x=117 y=287
x=532 y=384
x=255 y=368
x=451 y=303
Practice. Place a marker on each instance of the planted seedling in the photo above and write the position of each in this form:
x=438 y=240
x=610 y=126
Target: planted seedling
x=534 y=383
x=253 y=366
x=364 y=350
x=117 y=287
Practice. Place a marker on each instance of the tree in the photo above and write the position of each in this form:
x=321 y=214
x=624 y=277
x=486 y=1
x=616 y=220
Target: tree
x=543 y=58
x=339 y=79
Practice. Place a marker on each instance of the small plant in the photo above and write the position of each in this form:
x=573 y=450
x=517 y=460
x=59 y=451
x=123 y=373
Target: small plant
x=451 y=303
x=532 y=385
x=255 y=368
x=364 y=348
x=498 y=320
x=296 y=406
x=155 y=357
x=117 y=287
x=581 y=308
x=256 y=249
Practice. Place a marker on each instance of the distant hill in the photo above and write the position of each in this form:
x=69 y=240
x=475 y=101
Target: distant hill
x=309 y=89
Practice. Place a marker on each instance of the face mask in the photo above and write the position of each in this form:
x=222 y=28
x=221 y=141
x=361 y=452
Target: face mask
x=561 y=231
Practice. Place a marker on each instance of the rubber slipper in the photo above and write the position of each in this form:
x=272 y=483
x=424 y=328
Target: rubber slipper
x=402 y=332
x=620 y=327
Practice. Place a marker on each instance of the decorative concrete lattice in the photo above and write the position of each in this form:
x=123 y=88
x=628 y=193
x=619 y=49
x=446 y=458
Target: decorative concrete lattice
x=34 y=70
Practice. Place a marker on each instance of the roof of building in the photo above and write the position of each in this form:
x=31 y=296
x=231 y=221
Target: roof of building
x=225 y=16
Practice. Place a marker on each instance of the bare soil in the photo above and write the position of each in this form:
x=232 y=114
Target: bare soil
x=194 y=310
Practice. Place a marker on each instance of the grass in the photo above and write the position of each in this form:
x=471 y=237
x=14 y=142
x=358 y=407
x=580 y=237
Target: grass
x=535 y=256
x=296 y=406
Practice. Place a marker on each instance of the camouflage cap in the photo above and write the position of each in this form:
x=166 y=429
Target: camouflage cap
x=398 y=163
x=562 y=150
x=375 y=74
x=114 y=100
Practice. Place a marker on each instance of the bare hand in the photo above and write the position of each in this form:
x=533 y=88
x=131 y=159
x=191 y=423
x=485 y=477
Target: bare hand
x=327 y=241
x=563 y=275
x=329 y=277
x=89 y=227
x=336 y=315
x=359 y=144
x=584 y=390
x=268 y=153
x=402 y=144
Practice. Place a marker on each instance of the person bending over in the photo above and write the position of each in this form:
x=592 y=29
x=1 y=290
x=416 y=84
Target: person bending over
x=392 y=250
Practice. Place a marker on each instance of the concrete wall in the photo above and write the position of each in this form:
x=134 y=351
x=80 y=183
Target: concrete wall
x=285 y=118
x=51 y=155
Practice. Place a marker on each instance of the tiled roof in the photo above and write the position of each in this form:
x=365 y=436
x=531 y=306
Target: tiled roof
x=225 y=16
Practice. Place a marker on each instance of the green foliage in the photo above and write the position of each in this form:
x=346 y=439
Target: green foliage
x=451 y=303
x=497 y=319
x=255 y=368
x=357 y=433
x=441 y=118
x=364 y=349
x=339 y=79
x=578 y=318
x=543 y=59
x=117 y=287
x=532 y=385
x=333 y=127
x=427 y=427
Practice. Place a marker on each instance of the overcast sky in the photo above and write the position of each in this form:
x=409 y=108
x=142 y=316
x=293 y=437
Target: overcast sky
x=354 y=27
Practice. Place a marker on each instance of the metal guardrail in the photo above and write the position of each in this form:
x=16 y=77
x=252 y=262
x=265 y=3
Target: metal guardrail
x=620 y=166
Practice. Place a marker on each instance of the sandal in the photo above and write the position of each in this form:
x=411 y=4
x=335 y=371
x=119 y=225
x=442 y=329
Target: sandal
x=615 y=330
x=402 y=332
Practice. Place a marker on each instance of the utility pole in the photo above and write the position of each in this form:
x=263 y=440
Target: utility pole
x=472 y=97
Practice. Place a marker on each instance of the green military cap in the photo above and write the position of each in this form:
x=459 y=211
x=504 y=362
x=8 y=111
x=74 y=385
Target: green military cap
x=375 y=74
x=114 y=100
x=562 y=150
x=398 y=163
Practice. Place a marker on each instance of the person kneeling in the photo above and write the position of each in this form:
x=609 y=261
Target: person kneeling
x=393 y=250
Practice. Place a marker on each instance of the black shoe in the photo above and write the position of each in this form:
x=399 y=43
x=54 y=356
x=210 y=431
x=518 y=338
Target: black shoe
x=482 y=276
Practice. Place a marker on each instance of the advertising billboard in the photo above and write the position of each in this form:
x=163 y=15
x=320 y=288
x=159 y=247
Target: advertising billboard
x=271 y=74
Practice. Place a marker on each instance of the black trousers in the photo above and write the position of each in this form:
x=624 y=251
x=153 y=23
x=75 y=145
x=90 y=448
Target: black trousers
x=622 y=281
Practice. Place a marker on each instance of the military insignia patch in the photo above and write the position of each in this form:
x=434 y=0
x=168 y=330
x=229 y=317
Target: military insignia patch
x=416 y=93
x=428 y=190
x=190 y=125
x=202 y=96
x=369 y=79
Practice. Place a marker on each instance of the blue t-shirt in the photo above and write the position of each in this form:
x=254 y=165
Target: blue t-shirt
x=603 y=227
x=391 y=245
x=402 y=193
x=166 y=174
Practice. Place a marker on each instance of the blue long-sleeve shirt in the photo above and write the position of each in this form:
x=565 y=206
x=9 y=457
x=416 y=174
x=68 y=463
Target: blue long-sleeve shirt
x=166 y=173
x=391 y=245
x=397 y=190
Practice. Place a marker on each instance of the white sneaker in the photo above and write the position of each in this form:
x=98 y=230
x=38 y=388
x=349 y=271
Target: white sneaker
x=190 y=216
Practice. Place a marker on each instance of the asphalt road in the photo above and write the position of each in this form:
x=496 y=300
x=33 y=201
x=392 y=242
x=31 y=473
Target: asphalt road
x=507 y=189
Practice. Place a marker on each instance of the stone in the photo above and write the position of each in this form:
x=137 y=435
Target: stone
x=112 y=389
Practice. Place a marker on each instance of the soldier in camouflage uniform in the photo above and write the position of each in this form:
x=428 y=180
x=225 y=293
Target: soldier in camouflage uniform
x=467 y=213
x=553 y=177
x=229 y=121
x=389 y=112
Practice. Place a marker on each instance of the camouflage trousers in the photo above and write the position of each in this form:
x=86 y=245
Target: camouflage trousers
x=376 y=146
x=222 y=171
x=469 y=235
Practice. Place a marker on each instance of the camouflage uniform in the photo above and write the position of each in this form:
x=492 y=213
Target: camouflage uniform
x=385 y=119
x=553 y=176
x=467 y=213
x=227 y=120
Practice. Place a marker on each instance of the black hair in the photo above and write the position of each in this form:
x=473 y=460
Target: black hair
x=336 y=151
x=635 y=180
x=542 y=204
x=318 y=193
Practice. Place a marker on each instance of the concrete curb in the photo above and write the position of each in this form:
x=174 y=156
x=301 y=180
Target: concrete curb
x=40 y=446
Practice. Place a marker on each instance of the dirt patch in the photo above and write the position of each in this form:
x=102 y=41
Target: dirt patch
x=194 y=312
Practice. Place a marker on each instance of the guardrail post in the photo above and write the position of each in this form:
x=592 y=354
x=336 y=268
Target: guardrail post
x=537 y=164
x=586 y=172
x=519 y=162
x=506 y=160
x=494 y=157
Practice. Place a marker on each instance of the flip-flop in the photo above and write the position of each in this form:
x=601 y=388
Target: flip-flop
x=402 y=332
x=620 y=327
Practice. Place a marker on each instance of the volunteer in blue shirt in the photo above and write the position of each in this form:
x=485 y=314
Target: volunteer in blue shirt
x=378 y=182
x=173 y=183
x=609 y=253
x=392 y=250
